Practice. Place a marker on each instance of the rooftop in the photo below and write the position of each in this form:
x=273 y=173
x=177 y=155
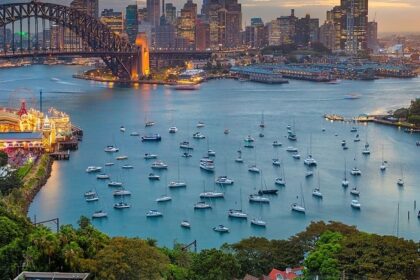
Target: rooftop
x=20 y=135
x=51 y=275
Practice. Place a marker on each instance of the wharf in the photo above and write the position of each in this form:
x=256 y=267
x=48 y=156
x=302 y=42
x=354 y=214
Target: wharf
x=380 y=119
x=60 y=155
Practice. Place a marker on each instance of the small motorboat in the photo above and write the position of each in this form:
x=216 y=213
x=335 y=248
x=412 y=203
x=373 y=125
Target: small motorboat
x=92 y=198
x=232 y=213
x=296 y=156
x=102 y=176
x=127 y=166
x=261 y=135
x=317 y=193
x=122 y=128
x=400 y=182
x=121 y=158
x=153 y=177
x=202 y=205
x=355 y=191
x=226 y=131
x=280 y=182
x=198 y=135
x=149 y=123
x=355 y=171
x=355 y=204
x=224 y=180
x=353 y=129
x=211 y=153
x=159 y=165
x=366 y=151
x=200 y=124
x=343 y=143
x=185 y=224
x=149 y=156
x=186 y=155
x=212 y=195
x=249 y=145
x=249 y=139
x=115 y=184
x=309 y=174
x=345 y=147
x=352 y=96
x=277 y=143
x=93 y=169
x=258 y=198
x=292 y=137
x=292 y=149
x=254 y=169
x=111 y=149
x=185 y=145
x=164 y=198
x=221 y=229
x=121 y=205
x=134 y=133
x=99 y=214
x=109 y=164
x=173 y=129
x=258 y=222
x=153 y=214
x=121 y=193
x=276 y=162
x=90 y=193
x=151 y=138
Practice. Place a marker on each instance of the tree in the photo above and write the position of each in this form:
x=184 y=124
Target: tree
x=130 y=258
x=4 y=158
x=10 y=182
x=214 y=264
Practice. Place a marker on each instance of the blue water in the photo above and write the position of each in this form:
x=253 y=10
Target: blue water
x=100 y=109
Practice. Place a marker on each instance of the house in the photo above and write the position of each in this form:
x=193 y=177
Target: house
x=288 y=274
x=51 y=276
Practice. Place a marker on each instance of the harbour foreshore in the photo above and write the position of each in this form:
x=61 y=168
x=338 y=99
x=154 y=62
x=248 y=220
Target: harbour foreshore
x=380 y=119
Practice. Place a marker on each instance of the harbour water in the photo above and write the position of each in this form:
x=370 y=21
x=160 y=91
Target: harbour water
x=100 y=109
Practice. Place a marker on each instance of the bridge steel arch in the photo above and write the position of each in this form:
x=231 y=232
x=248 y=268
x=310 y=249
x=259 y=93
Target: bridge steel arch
x=122 y=58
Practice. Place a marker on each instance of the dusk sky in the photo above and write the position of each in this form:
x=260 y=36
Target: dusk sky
x=392 y=15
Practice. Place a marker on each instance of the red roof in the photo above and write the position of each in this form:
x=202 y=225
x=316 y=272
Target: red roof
x=289 y=274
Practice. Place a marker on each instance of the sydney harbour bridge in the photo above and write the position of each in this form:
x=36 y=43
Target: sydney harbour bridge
x=92 y=38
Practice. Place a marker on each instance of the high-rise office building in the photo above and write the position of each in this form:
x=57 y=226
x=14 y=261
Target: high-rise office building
x=336 y=18
x=153 y=12
x=186 y=22
x=202 y=35
x=372 y=36
x=131 y=22
x=233 y=23
x=354 y=28
x=274 y=34
x=90 y=7
x=142 y=15
x=288 y=28
x=170 y=13
x=114 y=20
x=256 y=35
x=327 y=35
x=307 y=30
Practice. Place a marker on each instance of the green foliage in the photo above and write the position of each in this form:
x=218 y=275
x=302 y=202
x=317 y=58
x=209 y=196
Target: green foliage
x=10 y=182
x=214 y=264
x=401 y=113
x=3 y=158
x=130 y=258
x=415 y=107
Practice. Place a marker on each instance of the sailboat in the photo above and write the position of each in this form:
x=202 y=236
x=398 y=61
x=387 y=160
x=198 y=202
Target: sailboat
x=345 y=182
x=264 y=189
x=253 y=167
x=291 y=135
x=281 y=181
x=121 y=204
x=355 y=204
x=400 y=181
x=238 y=213
x=239 y=159
x=299 y=207
x=178 y=183
x=355 y=191
x=224 y=179
x=211 y=194
x=210 y=152
x=309 y=160
x=165 y=197
x=355 y=171
x=147 y=122
x=317 y=191
x=366 y=150
x=262 y=124
x=259 y=222
x=276 y=161
x=383 y=164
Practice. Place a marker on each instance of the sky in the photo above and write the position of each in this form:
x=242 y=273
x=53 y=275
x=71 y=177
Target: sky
x=391 y=15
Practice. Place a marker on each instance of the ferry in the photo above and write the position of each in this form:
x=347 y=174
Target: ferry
x=151 y=138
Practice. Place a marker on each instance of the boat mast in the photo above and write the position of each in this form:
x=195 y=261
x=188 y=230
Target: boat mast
x=398 y=219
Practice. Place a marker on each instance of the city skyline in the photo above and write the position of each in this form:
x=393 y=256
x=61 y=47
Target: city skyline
x=393 y=15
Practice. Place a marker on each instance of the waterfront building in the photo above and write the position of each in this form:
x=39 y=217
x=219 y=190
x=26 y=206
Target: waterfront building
x=153 y=12
x=274 y=33
x=131 y=22
x=30 y=128
x=114 y=20
x=186 y=22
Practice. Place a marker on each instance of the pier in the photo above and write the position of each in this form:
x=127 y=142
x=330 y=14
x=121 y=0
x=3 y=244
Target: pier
x=60 y=155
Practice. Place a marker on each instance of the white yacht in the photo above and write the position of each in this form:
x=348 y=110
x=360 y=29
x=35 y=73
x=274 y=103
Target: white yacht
x=153 y=177
x=212 y=195
x=185 y=145
x=296 y=156
x=92 y=198
x=150 y=156
x=99 y=214
x=121 y=205
x=115 y=184
x=111 y=149
x=232 y=213
x=355 y=171
x=185 y=224
x=178 y=184
x=198 y=135
x=163 y=198
x=121 y=192
x=224 y=180
x=159 y=165
x=173 y=129
x=355 y=191
x=221 y=229
x=258 y=198
x=258 y=222
x=202 y=205
x=277 y=143
x=122 y=128
x=127 y=166
x=254 y=169
x=276 y=162
x=102 y=176
x=109 y=164
x=134 y=133
x=310 y=161
x=207 y=165
x=317 y=193
x=292 y=149
x=89 y=193
x=280 y=181
x=149 y=123
x=121 y=158
x=200 y=125
x=355 y=204
x=153 y=213
x=93 y=169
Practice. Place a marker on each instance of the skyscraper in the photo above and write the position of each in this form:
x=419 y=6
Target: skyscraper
x=288 y=28
x=372 y=36
x=90 y=7
x=186 y=22
x=170 y=13
x=274 y=34
x=131 y=22
x=114 y=20
x=233 y=23
x=354 y=29
x=153 y=12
